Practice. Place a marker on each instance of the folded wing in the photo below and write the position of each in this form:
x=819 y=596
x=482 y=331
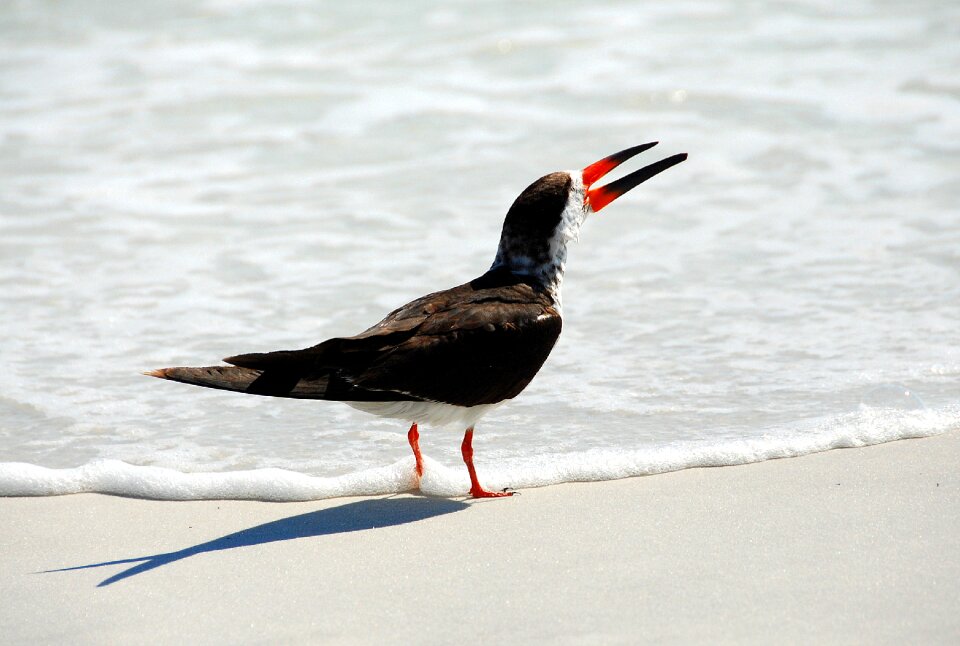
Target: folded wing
x=478 y=343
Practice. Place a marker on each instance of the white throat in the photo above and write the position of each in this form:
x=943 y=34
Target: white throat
x=548 y=268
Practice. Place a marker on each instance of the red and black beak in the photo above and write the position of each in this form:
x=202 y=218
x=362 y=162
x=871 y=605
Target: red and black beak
x=599 y=197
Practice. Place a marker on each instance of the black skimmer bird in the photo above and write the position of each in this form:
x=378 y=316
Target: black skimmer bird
x=451 y=356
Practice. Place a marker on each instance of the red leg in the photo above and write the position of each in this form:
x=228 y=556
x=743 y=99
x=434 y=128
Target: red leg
x=475 y=489
x=413 y=436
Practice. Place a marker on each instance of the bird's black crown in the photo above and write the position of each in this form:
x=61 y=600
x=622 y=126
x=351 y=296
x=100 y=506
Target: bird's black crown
x=534 y=216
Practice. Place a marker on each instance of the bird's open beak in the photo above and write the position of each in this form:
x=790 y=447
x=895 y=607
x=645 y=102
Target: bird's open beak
x=599 y=197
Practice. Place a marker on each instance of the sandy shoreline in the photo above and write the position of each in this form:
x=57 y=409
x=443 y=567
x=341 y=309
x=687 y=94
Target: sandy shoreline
x=845 y=546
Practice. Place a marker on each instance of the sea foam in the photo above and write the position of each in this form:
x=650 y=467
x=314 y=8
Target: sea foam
x=863 y=427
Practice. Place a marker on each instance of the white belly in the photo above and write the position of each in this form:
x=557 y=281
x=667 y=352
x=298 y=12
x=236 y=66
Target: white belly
x=431 y=413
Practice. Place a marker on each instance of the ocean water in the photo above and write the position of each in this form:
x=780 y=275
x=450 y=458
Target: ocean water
x=183 y=181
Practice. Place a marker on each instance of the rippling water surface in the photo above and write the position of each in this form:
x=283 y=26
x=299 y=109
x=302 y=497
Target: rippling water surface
x=184 y=181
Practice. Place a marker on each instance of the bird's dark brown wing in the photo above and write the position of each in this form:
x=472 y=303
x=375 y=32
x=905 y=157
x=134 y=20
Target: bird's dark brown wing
x=479 y=343
x=481 y=354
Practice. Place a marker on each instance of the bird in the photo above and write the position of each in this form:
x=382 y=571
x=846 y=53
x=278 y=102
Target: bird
x=452 y=356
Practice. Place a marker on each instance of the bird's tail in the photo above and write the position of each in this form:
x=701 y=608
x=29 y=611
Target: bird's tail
x=247 y=380
x=299 y=374
x=222 y=377
x=295 y=384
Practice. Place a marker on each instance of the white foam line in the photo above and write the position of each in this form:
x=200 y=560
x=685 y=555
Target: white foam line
x=122 y=479
x=864 y=427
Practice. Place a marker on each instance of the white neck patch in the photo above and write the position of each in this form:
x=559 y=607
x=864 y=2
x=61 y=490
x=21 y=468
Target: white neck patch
x=550 y=273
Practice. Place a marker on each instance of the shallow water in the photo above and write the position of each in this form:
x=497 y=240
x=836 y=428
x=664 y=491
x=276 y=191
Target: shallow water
x=185 y=181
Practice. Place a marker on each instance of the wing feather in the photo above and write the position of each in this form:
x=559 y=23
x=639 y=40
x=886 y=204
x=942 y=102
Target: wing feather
x=479 y=343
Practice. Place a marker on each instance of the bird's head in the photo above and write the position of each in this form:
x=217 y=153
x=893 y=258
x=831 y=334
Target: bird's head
x=549 y=213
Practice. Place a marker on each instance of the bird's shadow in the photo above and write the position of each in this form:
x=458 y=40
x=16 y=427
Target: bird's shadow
x=352 y=517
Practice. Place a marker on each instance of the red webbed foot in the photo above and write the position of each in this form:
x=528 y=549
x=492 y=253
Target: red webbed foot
x=479 y=492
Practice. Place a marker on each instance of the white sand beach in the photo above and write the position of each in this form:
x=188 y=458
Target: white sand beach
x=847 y=546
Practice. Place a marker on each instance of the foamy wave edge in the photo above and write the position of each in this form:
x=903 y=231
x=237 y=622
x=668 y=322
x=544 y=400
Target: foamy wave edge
x=861 y=428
